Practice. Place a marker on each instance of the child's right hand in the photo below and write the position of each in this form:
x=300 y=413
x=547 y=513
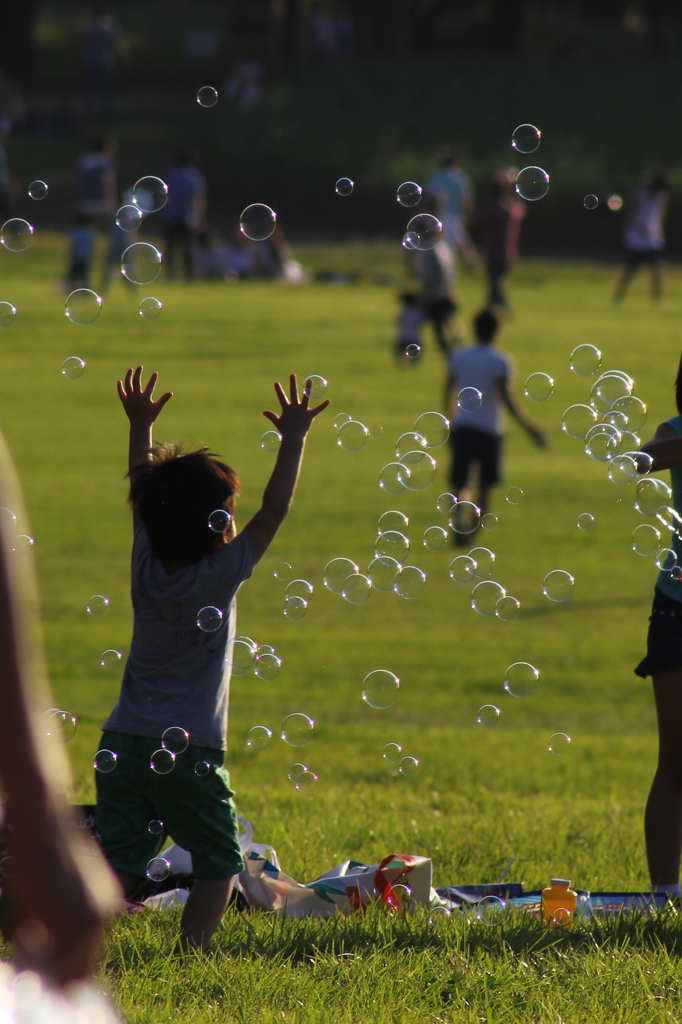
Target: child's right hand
x=137 y=401
x=296 y=416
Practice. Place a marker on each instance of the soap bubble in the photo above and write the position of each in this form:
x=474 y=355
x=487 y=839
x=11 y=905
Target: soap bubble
x=489 y=910
x=407 y=442
x=488 y=715
x=352 y=436
x=162 y=761
x=242 y=657
x=558 y=585
x=341 y=418
x=391 y=542
x=489 y=521
x=158 y=869
x=7 y=314
x=382 y=572
x=666 y=559
x=462 y=569
x=393 y=477
x=344 y=186
x=295 y=770
x=428 y=230
x=670 y=519
x=111 y=659
x=175 y=739
x=435 y=538
x=300 y=588
x=60 y=725
x=409 y=582
x=38 y=189
x=393 y=520
x=155 y=827
x=578 y=420
x=270 y=441
x=538 y=387
x=602 y=442
x=409 y=193
x=83 y=306
x=532 y=183
x=209 y=618
x=623 y=468
x=650 y=494
x=105 y=761
x=413 y=350
x=392 y=752
x=507 y=608
x=484 y=597
x=469 y=399
x=258 y=738
x=316 y=389
x=257 y=222
x=484 y=562
x=645 y=539
x=267 y=666
x=294 y=607
x=98 y=604
x=445 y=502
x=408 y=765
x=141 y=263
x=219 y=520
x=129 y=217
x=207 y=96
x=336 y=572
x=521 y=679
x=559 y=743
x=410 y=240
x=16 y=234
x=150 y=194
x=73 y=367
x=150 y=308
x=306 y=783
x=526 y=138
x=380 y=689
x=632 y=443
x=609 y=388
x=283 y=571
x=297 y=729
x=422 y=470
x=7 y=516
x=22 y=543
x=465 y=517
x=634 y=409
x=514 y=495
x=591 y=202
x=357 y=588
x=585 y=521
x=433 y=428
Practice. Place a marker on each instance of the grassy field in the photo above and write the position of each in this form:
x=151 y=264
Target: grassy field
x=480 y=796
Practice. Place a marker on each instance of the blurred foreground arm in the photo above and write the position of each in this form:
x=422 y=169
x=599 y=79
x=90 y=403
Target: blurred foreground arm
x=56 y=897
x=665 y=449
x=534 y=433
x=293 y=423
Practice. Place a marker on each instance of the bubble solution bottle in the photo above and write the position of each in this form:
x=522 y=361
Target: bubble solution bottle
x=559 y=902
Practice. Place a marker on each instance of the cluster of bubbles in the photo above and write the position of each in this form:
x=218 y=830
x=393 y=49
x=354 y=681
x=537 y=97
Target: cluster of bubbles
x=296 y=730
x=245 y=656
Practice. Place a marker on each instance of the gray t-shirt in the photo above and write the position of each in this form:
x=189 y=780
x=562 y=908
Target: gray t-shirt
x=177 y=674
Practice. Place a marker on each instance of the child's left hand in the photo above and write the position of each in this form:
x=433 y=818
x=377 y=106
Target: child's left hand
x=137 y=401
x=296 y=416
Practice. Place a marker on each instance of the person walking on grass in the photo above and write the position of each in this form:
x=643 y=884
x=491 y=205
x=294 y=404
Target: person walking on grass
x=643 y=240
x=178 y=674
x=477 y=391
x=663 y=662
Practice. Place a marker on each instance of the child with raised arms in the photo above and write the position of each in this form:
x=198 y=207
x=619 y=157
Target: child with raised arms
x=177 y=675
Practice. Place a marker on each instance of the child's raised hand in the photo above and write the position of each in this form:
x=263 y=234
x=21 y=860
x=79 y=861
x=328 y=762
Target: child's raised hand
x=296 y=416
x=138 y=401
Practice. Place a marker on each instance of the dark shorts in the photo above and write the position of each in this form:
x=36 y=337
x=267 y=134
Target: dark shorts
x=664 y=640
x=642 y=257
x=439 y=311
x=197 y=810
x=475 y=447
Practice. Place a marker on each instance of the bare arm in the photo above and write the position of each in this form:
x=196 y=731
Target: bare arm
x=293 y=423
x=536 y=435
x=665 y=449
x=141 y=409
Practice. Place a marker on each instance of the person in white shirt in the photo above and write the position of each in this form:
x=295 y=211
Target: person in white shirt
x=477 y=391
x=643 y=239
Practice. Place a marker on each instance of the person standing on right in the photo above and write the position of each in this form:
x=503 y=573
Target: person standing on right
x=184 y=214
x=497 y=229
x=453 y=194
x=643 y=239
x=477 y=390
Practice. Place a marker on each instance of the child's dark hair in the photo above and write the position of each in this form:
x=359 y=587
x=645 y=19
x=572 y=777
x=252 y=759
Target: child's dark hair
x=485 y=326
x=174 y=496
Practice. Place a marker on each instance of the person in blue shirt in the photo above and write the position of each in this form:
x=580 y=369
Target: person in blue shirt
x=184 y=214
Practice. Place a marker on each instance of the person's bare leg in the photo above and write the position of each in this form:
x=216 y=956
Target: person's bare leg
x=623 y=284
x=663 y=815
x=203 y=912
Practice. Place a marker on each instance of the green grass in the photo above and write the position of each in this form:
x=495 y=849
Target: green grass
x=480 y=796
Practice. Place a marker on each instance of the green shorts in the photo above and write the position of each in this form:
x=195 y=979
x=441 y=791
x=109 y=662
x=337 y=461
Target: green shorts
x=197 y=810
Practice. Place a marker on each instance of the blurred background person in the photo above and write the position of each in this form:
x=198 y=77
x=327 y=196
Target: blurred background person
x=184 y=214
x=81 y=250
x=103 y=45
x=496 y=230
x=97 y=191
x=643 y=239
x=451 y=190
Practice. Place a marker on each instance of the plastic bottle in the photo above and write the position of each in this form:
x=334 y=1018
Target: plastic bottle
x=559 y=902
